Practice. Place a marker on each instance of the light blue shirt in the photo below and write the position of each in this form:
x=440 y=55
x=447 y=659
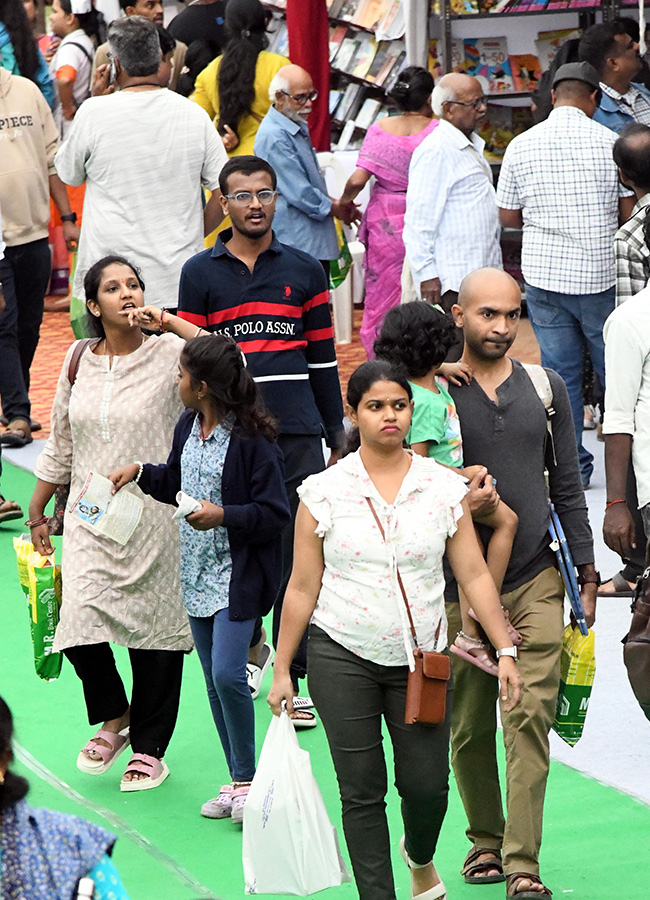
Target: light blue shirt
x=206 y=564
x=302 y=216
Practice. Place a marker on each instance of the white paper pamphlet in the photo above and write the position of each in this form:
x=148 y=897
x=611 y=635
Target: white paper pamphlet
x=114 y=516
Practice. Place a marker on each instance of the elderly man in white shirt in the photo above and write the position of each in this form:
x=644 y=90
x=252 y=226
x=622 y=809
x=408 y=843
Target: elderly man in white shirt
x=451 y=225
x=560 y=181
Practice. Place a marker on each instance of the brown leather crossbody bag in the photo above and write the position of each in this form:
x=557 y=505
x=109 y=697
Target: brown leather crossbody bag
x=426 y=691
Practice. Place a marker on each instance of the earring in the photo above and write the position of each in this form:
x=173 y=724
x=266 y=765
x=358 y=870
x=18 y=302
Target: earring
x=2 y=777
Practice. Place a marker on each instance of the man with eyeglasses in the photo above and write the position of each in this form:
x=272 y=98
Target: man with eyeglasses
x=451 y=226
x=273 y=300
x=305 y=212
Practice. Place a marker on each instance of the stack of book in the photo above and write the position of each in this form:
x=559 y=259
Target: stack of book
x=473 y=7
x=360 y=55
x=372 y=14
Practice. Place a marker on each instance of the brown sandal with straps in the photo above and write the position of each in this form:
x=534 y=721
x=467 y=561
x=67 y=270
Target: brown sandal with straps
x=482 y=859
x=516 y=877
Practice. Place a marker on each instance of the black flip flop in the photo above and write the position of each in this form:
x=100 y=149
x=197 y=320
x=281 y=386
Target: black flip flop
x=621 y=587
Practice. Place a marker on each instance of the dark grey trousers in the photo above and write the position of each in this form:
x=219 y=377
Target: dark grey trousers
x=353 y=696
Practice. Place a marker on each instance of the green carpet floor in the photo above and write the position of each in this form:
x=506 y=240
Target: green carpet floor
x=594 y=836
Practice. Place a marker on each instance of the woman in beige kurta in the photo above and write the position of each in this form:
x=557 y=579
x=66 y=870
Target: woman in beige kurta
x=122 y=407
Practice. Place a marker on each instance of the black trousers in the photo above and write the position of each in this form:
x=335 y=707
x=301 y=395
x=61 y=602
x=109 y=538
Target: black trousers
x=154 y=700
x=303 y=456
x=353 y=696
x=24 y=273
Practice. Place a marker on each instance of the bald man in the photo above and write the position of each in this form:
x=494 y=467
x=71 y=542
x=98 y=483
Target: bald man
x=504 y=428
x=304 y=213
x=451 y=225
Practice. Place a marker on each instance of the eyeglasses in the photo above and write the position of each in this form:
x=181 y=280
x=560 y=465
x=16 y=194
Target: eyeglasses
x=479 y=103
x=245 y=198
x=301 y=99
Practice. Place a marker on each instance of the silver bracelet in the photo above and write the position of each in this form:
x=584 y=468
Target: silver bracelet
x=136 y=462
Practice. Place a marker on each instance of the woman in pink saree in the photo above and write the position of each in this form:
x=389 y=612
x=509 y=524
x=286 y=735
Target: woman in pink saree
x=386 y=154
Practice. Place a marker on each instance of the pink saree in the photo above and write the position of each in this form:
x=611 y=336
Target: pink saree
x=387 y=157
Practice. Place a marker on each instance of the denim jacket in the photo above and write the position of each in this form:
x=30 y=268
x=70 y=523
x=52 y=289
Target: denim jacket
x=611 y=116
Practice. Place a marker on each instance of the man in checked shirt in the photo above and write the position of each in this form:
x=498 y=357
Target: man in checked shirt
x=560 y=182
x=273 y=300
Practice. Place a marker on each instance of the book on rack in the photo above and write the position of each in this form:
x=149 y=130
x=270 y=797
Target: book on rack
x=345 y=10
x=463 y=7
x=487 y=59
x=395 y=56
x=435 y=57
x=392 y=25
x=343 y=61
x=501 y=124
x=337 y=34
x=334 y=100
x=392 y=77
x=350 y=102
x=549 y=42
x=364 y=56
x=380 y=59
x=367 y=113
x=371 y=12
x=526 y=71
x=486 y=6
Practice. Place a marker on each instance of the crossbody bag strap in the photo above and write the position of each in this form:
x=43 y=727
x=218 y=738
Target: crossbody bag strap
x=399 y=578
x=79 y=350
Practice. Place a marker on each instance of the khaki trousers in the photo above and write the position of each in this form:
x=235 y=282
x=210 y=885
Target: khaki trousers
x=536 y=611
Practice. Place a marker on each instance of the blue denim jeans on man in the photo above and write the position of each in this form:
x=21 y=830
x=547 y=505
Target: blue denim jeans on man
x=563 y=323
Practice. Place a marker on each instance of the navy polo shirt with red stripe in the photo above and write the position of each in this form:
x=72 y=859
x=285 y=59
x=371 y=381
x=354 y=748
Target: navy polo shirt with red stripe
x=279 y=315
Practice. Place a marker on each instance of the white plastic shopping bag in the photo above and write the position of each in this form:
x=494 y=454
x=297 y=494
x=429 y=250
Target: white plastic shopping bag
x=289 y=844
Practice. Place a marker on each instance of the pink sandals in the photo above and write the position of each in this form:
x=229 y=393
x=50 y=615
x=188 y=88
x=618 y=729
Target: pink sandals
x=219 y=807
x=142 y=764
x=474 y=651
x=118 y=743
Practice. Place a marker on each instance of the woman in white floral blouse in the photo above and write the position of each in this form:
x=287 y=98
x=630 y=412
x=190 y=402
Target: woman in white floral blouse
x=344 y=581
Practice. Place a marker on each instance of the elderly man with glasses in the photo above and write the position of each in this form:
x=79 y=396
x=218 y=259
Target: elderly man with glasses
x=305 y=213
x=451 y=225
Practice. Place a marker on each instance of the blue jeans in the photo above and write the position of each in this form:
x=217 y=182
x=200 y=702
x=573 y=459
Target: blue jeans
x=222 y=646
x=562 y=323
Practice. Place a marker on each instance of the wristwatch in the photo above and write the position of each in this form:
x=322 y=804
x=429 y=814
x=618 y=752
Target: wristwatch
x=71 y=217
x=507 y=651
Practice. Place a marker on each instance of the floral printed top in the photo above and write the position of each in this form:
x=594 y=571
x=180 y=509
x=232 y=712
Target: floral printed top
x=206 y=564
x=360 y=605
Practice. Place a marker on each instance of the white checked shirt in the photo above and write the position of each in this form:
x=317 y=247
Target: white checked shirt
x=632 y=253
x=451 y=225
x=633 y=102
x=562 y=176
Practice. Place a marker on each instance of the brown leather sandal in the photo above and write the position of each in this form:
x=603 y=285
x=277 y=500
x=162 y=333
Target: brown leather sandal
x=482 y=859
x=516 y=877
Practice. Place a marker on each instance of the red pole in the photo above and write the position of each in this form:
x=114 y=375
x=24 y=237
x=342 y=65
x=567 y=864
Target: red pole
x=309 y=47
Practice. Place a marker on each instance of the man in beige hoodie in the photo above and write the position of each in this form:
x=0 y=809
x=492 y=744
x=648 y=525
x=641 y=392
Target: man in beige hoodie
x=28 y=142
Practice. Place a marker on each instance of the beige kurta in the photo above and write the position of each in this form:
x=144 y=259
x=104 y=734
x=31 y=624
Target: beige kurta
x=113 y=416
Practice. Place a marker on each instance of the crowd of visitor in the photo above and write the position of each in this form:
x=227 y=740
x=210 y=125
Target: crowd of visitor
x=190 y=172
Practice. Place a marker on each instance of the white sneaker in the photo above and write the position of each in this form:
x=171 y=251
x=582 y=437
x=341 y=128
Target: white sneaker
x=255 y=674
